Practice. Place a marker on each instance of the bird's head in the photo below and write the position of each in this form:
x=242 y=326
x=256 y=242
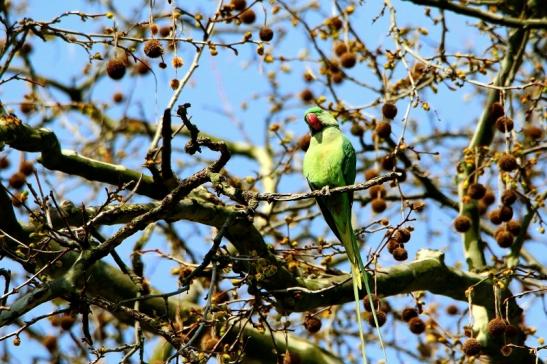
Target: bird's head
x=318 y=119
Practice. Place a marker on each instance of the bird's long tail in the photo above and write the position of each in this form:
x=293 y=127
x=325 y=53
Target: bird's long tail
x=359 y=275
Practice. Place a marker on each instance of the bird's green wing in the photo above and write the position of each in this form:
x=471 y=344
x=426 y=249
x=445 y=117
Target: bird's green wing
x=348 y=165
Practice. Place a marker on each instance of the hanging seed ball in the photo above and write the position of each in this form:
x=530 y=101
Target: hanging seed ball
x=348 y=60
x=392 y=245
x=533 y=132
x=371 y=173
x=513 y=226
x=496 y=327
x=416 y=325
x=511 y=330
x=489 y=198
x=507 y=162
x=401 y=235
x=304 y=142
x=17 y=180
x=504 y=123
x=50 y=342
x=153 y=48
x=306 y=95
x=340 y=48
x=357 y=129
x=312 y=324
x=266 y=34
x=154 y=28
x=248 y=16
x=377 y=191
x=383 y=129
x=67 y=321
x=509 y=197
x=380 y=316
x=462 y=223
x=409 y=313
x=26 y=167
x=400 y=254
x=506 y=213
x=378 y=205
x=375 y=301
x=26 y=107
x=476 y=191
x=452 y=310
x=177 y=62
x=117 y=97
x=239 y=4
x=174 y=83
x=389 y=110
x=142 y=68
x=165 y=30
x=495 y=216
x=4 y=162
x=388 y=162
x=496 y=111
x=162 y=65
x=504 y=238
x=471 y=347
x=115 y=68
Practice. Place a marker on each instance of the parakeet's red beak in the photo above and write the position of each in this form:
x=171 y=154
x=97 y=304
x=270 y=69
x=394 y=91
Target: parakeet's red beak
x=313 y=121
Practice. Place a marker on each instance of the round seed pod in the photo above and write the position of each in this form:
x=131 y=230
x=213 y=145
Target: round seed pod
x=165 y=30
x=174 y=83
x=389 y=110
x=266 y=34
x=177 y=62
x=371 y=173
x=337 y=77
x=348 y=60
x=506 y=213
x=496 y=327
x=533 y=132
x=312 y=324
x=380 y=316
x=383 y=129
x=375 y=302
x=4 y=162
x=496 y=110
x=507 y=163
x=248 y=16
x=153 y=48
x=336 y=23
x=471 y=347
x=50 y=342
x=306 y=95
x=476 y=191
x=115 y=68
x=388 y=162
x=378 y=205
x=304 y=142
x=357 y=129
x=409 y=313
x=117 y=97
x=495 y=216
x=504 y=238
x=462 y=223
x=504 y=124
x=17 y=180
x=26 y=167
x=162 y=65
x=489 y=198
x=452 y=310
x=509 y=197
x=513 y=226
x=142 y=68
x=401 y=235
x=377 y=191
x=416 y=325
x=239 y=4
x=400 y=254
x=340 y=48
x=154 y=28
x=392 y=245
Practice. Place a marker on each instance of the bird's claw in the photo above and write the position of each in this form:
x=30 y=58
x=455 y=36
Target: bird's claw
x=325 y=190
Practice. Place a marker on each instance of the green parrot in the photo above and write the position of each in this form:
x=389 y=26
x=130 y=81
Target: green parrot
x=330 y=162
